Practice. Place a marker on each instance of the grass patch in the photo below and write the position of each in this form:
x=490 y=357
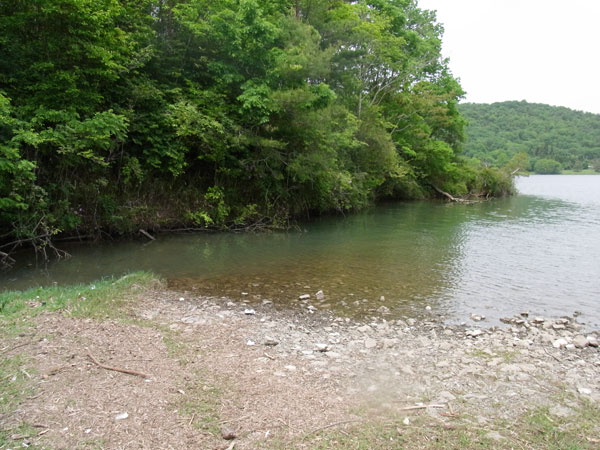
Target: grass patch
x=201 y=404
x=14 y=387
x=18 y=437
x=580 y=172
x=578 y=432
x=102 y=299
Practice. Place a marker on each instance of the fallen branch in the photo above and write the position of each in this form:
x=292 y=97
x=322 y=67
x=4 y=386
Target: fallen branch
x=116 y=369
x=410 y=408
x=445 y=194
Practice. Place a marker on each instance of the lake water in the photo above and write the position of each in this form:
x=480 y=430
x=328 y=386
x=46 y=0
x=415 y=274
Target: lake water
x=538 y=251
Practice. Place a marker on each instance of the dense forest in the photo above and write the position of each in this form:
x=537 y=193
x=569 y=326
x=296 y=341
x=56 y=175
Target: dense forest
x=120 y=114
x=538 y=138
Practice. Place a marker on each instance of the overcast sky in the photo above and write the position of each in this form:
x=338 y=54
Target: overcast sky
x=542 y=51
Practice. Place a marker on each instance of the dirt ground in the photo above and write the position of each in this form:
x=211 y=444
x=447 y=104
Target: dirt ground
x=214 y=374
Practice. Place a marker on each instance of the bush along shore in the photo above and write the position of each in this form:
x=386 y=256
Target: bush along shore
x=120 y=115
x=128 y=362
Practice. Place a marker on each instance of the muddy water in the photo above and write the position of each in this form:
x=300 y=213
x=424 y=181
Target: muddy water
x=538 y=251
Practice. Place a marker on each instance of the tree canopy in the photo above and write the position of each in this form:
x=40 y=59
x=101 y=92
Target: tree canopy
x=550 y=137
x=116 y=114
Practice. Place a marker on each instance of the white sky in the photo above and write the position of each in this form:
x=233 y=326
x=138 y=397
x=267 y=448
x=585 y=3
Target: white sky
x=542 y=51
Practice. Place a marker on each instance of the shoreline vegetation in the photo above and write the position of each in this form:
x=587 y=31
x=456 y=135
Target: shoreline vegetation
x=121 y=116
x=102 y=364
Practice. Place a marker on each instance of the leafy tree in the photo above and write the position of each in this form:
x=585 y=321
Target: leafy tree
x=547 y=166
x=116 y=114
x=498 y=132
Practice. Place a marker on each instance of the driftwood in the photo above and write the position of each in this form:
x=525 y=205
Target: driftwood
x=116 y=369
x=148 y=235
x=445 y=194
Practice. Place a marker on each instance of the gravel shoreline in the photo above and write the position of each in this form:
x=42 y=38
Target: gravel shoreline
x=228 y=371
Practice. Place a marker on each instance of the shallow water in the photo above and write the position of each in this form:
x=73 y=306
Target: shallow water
x=538 y=251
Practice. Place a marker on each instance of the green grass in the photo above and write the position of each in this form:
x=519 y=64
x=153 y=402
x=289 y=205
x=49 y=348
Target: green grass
x=537 y=429
x=580 y=172
x=102 y=299
x=201 y=403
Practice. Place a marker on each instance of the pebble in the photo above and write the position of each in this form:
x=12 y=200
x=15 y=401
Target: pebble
x=561 y=411
x=271 y=342
x=228 y=434
x=121 y=416
x=580 y=341
x=321 y=347
x=249 y=312
x=477 y=317
x=304 y=297
x=320 y=295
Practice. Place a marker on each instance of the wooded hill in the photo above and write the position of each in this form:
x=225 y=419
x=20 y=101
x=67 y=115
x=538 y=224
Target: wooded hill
x=120 y=114
x=497 y=132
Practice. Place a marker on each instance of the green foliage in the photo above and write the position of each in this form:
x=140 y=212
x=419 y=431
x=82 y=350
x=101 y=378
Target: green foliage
x=497 y=133
x=218 y=112
x=546 y=166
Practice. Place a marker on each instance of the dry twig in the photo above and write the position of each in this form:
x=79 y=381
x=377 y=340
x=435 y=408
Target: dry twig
x=335 y=424
x=116 y=369
x=410 y=408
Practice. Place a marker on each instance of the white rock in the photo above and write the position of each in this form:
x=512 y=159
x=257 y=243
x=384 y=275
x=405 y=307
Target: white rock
x=249 y=312
x=370 y=343
x=244 y=294
x=181 y=299
x=304 y=297
x=121 y=416
x=474 y=333
x=592 y=341
x=428 y=308
x=559 y=343
x=406 y=421
x=290 y=368
x=321 y=347
x=477 y=317
x=319 y=295
x=250 y=342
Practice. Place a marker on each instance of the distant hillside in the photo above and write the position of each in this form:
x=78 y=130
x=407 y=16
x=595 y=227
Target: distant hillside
x=497 y=132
